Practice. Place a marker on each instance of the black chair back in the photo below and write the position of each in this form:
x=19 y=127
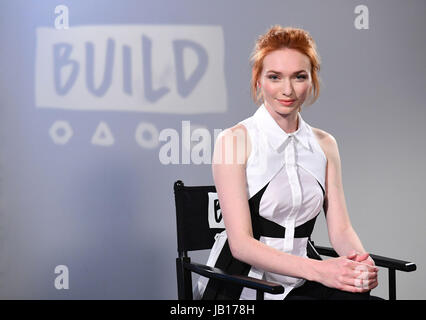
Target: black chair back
x=198 y=217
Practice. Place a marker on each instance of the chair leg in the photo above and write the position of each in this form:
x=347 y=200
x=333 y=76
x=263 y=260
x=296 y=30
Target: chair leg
x=184 y=279
x=260 y=295
x=392 y=284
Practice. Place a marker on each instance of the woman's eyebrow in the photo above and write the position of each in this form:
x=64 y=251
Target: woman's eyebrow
x=277 y=72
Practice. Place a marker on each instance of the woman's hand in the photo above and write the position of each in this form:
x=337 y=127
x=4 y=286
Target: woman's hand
x=348 y=275
x=364 y=258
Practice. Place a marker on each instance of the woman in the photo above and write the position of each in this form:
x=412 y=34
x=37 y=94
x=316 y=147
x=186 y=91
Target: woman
x=273 y=174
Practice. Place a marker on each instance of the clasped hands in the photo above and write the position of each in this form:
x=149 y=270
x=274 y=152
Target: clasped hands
x=366 y=271
x=353 y=273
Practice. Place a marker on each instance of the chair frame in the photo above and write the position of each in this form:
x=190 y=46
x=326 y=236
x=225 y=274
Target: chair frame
x=185 y=268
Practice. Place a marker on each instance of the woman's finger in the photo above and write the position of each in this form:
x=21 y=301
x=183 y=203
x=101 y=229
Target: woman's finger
x=362 y=257
x=364 y=275
x=363 y=267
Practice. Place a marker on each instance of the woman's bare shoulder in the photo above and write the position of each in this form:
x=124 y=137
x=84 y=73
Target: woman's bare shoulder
x=326 y=140
x=238 y=128
x=239 y=131
x=236 y=138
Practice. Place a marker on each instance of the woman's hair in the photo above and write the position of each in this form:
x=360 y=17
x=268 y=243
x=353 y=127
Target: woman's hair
x=276 y=38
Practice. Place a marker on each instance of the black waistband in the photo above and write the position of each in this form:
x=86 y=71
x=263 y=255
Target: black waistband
x=268 y=228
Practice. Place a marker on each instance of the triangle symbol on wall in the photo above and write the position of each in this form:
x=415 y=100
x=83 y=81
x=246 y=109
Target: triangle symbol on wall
x=103 y=135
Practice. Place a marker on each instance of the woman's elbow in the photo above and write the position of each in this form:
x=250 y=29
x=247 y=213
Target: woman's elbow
x=239 y=248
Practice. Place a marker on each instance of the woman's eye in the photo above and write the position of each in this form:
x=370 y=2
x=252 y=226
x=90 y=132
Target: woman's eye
x=273 y=77
x=301 y=76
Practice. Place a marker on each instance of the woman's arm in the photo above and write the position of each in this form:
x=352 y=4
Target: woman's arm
x=342 y=236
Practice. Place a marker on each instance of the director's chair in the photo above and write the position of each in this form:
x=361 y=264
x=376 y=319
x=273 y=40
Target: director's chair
x=196 y=230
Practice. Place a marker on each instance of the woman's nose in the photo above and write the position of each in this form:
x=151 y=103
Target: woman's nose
x=287 y=88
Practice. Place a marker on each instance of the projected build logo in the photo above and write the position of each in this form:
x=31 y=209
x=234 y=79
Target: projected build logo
x=162 y=69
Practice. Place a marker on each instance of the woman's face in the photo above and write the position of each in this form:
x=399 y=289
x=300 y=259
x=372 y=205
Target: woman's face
x=285 y=80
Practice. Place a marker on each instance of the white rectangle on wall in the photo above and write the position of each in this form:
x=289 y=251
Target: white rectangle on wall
x=177 y=69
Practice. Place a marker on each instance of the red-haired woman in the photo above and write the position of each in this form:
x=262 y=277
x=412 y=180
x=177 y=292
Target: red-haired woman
x=274 y=173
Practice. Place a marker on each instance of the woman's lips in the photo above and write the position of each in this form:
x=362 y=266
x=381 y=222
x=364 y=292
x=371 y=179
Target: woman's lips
x=286 y=102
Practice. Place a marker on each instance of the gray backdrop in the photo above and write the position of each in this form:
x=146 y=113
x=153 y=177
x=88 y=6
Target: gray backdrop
x=81 y=181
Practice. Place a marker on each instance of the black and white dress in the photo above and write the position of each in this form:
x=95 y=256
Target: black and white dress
x=285 y=186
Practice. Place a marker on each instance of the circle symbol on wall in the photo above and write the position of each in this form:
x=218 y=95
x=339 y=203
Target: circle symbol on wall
x=60 y=132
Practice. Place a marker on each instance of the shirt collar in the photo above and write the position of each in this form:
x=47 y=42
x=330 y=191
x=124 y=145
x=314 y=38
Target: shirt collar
x=276 y=135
